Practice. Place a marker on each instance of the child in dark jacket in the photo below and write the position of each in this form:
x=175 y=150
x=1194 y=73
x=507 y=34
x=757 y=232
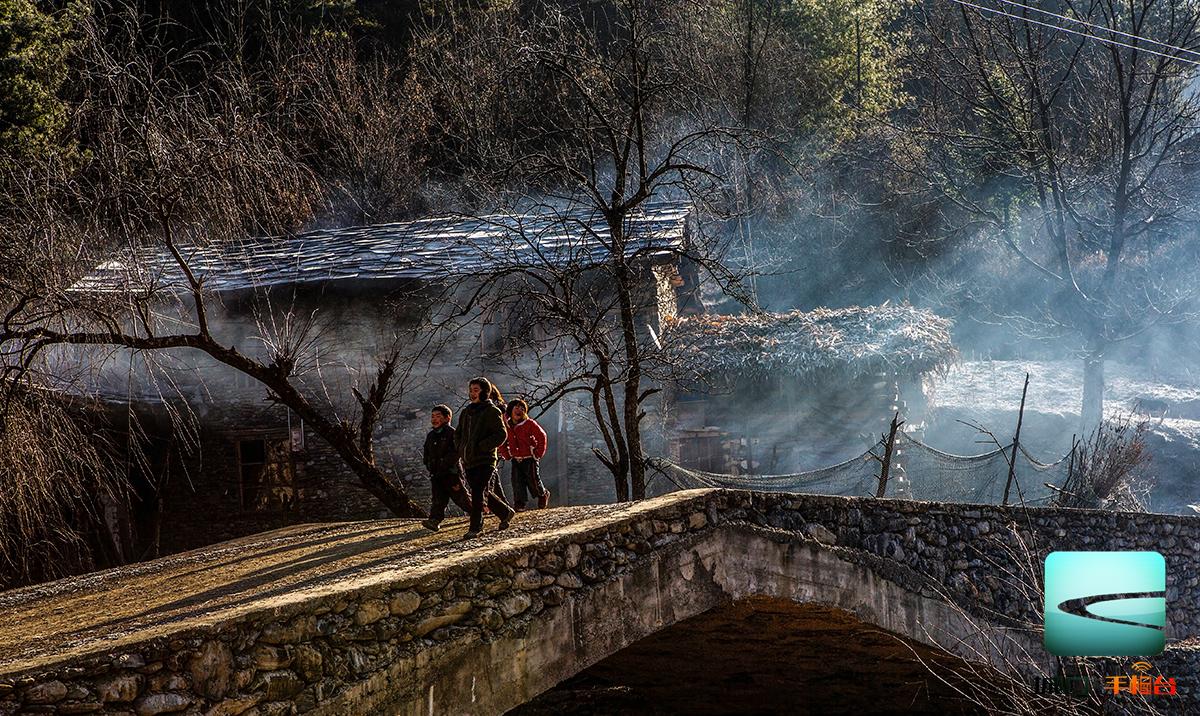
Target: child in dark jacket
x=441 y=459
x=525 y=446
x=480 y=434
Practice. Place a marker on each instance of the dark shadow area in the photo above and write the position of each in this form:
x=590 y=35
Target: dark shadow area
x=764 y=656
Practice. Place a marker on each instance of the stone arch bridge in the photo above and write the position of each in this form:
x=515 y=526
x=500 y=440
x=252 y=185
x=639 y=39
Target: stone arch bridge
x=383 y=617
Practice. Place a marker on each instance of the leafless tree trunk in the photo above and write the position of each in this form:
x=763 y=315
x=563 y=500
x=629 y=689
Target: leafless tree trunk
x=626 y=115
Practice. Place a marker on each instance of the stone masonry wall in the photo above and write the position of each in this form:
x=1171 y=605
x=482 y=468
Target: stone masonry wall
x=292 y=658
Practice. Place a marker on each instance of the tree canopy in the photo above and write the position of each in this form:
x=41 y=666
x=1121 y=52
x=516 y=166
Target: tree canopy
x=33 y=67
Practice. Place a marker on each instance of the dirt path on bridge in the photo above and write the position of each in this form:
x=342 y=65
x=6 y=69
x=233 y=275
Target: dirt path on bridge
x=106 y=610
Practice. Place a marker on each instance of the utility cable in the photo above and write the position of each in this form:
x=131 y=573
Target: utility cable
x=1097 y=26
x=1194 y=63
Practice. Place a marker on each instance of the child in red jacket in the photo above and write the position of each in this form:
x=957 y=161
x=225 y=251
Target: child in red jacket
x=526 y=445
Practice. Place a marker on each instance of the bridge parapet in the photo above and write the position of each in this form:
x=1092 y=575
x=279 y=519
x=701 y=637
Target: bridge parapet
x=546 y=604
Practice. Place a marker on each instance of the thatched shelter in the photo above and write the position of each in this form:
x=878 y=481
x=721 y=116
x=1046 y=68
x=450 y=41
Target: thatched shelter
x=772 y=392
x=839 y=344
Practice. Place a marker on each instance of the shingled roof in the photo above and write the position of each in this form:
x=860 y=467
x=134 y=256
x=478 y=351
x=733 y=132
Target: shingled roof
x=420 y=249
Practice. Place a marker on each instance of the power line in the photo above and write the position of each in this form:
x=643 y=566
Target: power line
x=1097 y=26
x=1194 y=63
x=1106 y=40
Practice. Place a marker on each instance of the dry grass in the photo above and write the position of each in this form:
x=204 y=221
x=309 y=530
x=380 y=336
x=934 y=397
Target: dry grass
x=56 y=473
x=1107 y=468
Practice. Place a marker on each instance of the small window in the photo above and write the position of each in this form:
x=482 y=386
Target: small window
x=266 y=475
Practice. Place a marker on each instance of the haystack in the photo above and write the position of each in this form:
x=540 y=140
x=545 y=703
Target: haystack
x=815 y=347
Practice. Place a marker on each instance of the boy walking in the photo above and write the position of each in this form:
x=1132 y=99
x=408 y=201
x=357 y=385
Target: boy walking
x=441 y=459
x=480 y=432
x=526 y=446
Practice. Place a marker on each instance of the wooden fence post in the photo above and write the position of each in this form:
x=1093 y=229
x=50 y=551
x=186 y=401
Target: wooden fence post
x=1016 y=444
x=887 y=456
x=1071 y=464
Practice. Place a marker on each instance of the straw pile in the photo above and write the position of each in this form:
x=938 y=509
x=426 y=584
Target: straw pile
x=841 y=344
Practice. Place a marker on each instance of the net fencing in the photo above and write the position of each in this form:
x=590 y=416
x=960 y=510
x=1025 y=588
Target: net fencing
x=918 y=472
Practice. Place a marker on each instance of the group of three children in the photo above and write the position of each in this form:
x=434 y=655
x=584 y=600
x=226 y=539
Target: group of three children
x=462 y=461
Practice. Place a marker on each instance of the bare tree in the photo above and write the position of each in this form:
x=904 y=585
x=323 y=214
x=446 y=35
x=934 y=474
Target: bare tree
x=610 y=109
x=365 y=121
x=553 y=318
x=1071 y=152
x=176 y=164
x=605 y=109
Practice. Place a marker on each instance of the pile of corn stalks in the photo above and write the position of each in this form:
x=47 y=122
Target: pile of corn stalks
x=825 y=344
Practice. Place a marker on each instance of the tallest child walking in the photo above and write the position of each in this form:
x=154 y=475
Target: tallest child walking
x=480 y=432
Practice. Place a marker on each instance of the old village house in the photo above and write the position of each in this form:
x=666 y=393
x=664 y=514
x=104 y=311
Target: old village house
x=224 y=460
